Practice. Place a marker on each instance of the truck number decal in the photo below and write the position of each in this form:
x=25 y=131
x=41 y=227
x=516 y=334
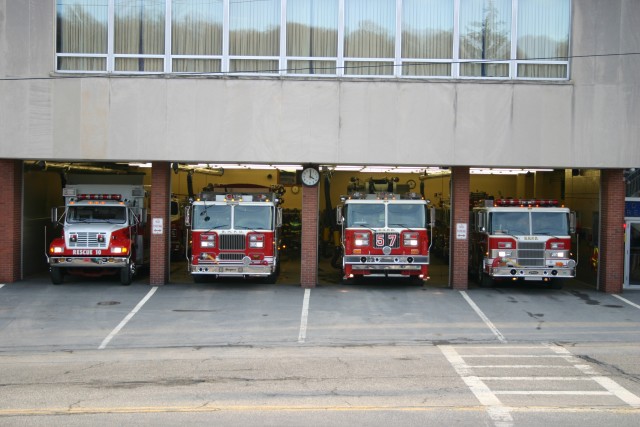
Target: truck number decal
x=387 y=239
x=87 y=252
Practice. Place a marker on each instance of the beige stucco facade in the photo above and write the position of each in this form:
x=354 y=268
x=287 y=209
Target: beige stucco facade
x=590 y=121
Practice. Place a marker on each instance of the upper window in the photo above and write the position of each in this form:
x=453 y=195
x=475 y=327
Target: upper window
x=471 y=39
x=485 y=38
x=139 y=41
x=312 y=36
x=427 y=37
x=196 y=36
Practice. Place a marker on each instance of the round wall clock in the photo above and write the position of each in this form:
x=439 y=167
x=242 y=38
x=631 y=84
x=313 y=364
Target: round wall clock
x=310 y=176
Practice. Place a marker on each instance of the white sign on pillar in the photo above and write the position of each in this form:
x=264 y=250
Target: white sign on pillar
x=461 y=231
x=157 y=226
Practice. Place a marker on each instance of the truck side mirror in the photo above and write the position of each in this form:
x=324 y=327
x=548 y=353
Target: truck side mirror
x=54 y=215
x=279 y=217
x=187 y=216
x=339 y=218
x=572 y=222
x=480 y=221
x=432 y=216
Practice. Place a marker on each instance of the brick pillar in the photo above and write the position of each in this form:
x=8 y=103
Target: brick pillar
x=310 y=221
x=459 y=248
x=11 y=214
x=160 y=205
x=611 y=263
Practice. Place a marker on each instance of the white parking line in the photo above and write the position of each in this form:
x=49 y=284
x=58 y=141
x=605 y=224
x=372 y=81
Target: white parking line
x=127 y=318
x=1 y=285
x=486 y=320
x=302 y=336
x=627 y=301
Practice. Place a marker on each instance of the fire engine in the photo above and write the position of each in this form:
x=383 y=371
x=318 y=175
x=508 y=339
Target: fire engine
x=517 y=239
x=384 y=234
x=234 y=232
x=103 y=228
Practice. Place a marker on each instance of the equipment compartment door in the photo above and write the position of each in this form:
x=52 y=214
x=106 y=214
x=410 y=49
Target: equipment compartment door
x=632 y=254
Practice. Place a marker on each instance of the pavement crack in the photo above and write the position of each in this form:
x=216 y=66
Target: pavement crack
x=610 y=368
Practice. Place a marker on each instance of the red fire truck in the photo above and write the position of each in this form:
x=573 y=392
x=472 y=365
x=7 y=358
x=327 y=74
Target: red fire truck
x=384 y=234
x=517 y=239
x=103 y=228
x=234 y=232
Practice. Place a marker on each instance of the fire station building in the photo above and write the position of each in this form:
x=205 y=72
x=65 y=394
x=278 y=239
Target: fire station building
x=517 y=98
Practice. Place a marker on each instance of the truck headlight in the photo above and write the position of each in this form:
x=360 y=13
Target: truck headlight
x=410 y=239
x=361 y=239
x=256 y=241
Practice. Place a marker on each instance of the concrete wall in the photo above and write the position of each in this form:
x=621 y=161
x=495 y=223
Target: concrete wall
x=590 y=121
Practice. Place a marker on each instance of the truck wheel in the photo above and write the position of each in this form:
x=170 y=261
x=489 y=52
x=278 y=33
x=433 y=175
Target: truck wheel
x=199 y=278
x=484 y=281
x=57 y=276
x=273 y=277
x=555 y=284
x=125 y=276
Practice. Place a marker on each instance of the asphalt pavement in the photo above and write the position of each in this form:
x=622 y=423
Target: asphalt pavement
x=91 y=351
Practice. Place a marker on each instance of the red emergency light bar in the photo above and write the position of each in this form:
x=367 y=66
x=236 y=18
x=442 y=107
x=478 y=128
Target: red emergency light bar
x=526 y=203
x=100 y=197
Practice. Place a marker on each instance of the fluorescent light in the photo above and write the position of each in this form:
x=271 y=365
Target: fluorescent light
x=340 y=168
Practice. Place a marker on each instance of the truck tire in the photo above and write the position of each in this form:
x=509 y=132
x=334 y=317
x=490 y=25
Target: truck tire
x=483 y=280
x=199 y=278
x=273 y=277
x=57 y=276
x=125 y=276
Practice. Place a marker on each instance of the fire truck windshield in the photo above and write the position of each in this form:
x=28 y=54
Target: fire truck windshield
x=252 y=217
x=368 y=215
x=211 y=217
x=97 y=213
x=514 y=223
x=406 y=215
x=550 y=223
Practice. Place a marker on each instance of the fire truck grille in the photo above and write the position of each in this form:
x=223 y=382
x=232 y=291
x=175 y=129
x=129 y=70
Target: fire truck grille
x=87 y=240
x=531 y=254
x=232 y=242
x=387 y=239
x=231 y=257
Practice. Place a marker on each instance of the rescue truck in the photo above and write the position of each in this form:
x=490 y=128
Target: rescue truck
x=234 y=231
x=517 y=239
x=384 y=234
x=103 y=228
